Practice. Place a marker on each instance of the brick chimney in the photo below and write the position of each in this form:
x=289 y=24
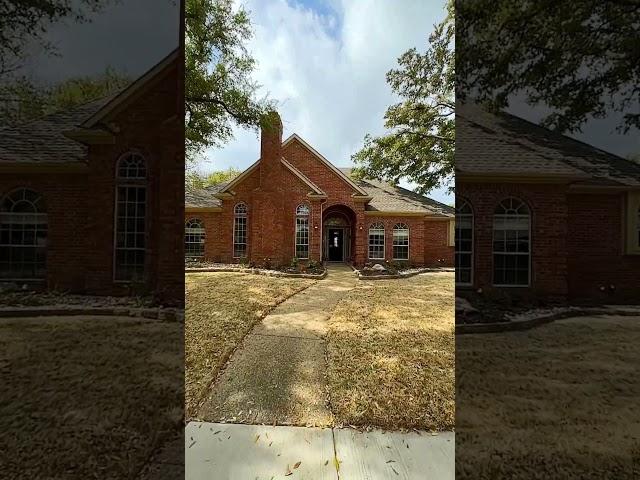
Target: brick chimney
x=270 y=149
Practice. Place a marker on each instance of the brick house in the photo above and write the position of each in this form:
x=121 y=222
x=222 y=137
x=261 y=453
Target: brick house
x=294 y=203
x=540 y=214
x=91 y=198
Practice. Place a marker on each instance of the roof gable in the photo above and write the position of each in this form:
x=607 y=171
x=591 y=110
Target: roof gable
x=129 y=94
x=295 y=137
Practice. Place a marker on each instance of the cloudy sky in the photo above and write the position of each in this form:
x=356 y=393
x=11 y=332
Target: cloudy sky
x=325 y=62
x=129 y=35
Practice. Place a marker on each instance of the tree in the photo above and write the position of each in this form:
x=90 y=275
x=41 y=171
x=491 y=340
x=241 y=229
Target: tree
x=23 y=100
x=196 y=180
x=219 y=91
x=420 y=144
x=24 y=22
x=580 y=58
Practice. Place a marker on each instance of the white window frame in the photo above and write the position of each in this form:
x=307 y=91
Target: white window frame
x=191 y=233
x=529 y=254
x=303 y=214
x=134 y=178
x=632 y=246
x=37 y=219
x=393 y=241
x=455 y=243
x=380 y=226
x=237 y=215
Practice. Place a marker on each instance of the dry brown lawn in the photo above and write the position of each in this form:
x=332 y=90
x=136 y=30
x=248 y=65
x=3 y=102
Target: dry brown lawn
x=221 y=308
x=391 y=354
x=87 y=397
x=558 y=401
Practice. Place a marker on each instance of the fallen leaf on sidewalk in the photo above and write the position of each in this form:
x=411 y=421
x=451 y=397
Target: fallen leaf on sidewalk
x=288 y=472
x=296 y=465
x=255 y=440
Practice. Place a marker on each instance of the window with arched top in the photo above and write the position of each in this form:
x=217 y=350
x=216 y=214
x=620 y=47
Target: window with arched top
x=511 y=244
x=194 y=237
x=302 y=231
x=464 y=243
x=376 y=241
x=130 y=218
x=132 y=165
x=400 y=241
x=240 y=238
x=23 y=235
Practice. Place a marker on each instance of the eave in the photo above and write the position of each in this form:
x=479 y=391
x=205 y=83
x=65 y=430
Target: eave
x=88 y=136
x=489 y=177
x=188 y=209
x=44 y=167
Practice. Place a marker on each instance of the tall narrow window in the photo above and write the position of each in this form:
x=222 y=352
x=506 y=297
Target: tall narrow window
x=194 y=238
x=240 y=231
x=400 y=242
x=302 y=232
x=376 y=241
x=23 y=236
x=131 y=214
x=511 y=244
x=464 y=243
x=638 y=229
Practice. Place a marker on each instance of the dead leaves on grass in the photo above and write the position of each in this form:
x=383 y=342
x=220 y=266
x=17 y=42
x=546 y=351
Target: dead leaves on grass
x=391 y=362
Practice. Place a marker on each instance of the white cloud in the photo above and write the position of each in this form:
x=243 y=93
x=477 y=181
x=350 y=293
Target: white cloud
x=326 y=67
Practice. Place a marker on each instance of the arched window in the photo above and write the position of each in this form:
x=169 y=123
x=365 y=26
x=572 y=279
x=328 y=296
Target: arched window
x=400 y=242
x=511 y=243
x=376 y=241
x=23 y=235
x=240 y=230
x=130 y=221
x=194 y=238
x=464 y=243
x=302 y=231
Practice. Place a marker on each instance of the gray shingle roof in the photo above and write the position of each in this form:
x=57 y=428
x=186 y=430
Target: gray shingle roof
x=390 y=198
x=490 y=143
x=203 y=197
x=43 y=140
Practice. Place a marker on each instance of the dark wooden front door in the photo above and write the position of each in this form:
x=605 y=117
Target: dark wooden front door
x=336 y=244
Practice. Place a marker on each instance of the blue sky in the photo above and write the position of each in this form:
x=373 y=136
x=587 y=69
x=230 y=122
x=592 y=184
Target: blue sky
x=325 y=61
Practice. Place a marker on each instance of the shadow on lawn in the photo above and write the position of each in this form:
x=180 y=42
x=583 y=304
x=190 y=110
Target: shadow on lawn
x=558 y=401
x=87 y=397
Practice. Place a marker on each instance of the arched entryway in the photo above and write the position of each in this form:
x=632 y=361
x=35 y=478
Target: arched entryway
x=338 y=234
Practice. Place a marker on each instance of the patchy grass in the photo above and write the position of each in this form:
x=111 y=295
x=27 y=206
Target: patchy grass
x=558 y=401
x=391 y=354
x=87 y=397
x=221 y=308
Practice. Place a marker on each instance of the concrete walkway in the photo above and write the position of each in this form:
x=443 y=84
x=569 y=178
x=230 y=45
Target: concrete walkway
x=278 y=373
x=242 y=452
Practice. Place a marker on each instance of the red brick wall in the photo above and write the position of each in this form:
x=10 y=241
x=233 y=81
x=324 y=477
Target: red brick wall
x=67 y=246
x=549 y=214
x=149 y=125
x=437 y=251
x=597 y=252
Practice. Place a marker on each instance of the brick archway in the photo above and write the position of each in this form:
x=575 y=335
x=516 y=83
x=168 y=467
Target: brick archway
x=338 y=233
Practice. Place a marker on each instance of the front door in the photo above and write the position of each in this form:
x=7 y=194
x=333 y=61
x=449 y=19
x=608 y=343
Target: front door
x=336 y=238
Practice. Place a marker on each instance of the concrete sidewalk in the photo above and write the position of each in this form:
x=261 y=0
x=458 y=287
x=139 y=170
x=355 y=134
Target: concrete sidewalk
x=277 y=375
x=260 y=452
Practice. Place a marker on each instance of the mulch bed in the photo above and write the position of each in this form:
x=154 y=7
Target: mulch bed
x=203 y=265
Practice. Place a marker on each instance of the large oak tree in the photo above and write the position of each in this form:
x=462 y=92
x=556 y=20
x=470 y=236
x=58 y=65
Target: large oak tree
x=420 y=142
x=219 y=90
x=579 y=58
